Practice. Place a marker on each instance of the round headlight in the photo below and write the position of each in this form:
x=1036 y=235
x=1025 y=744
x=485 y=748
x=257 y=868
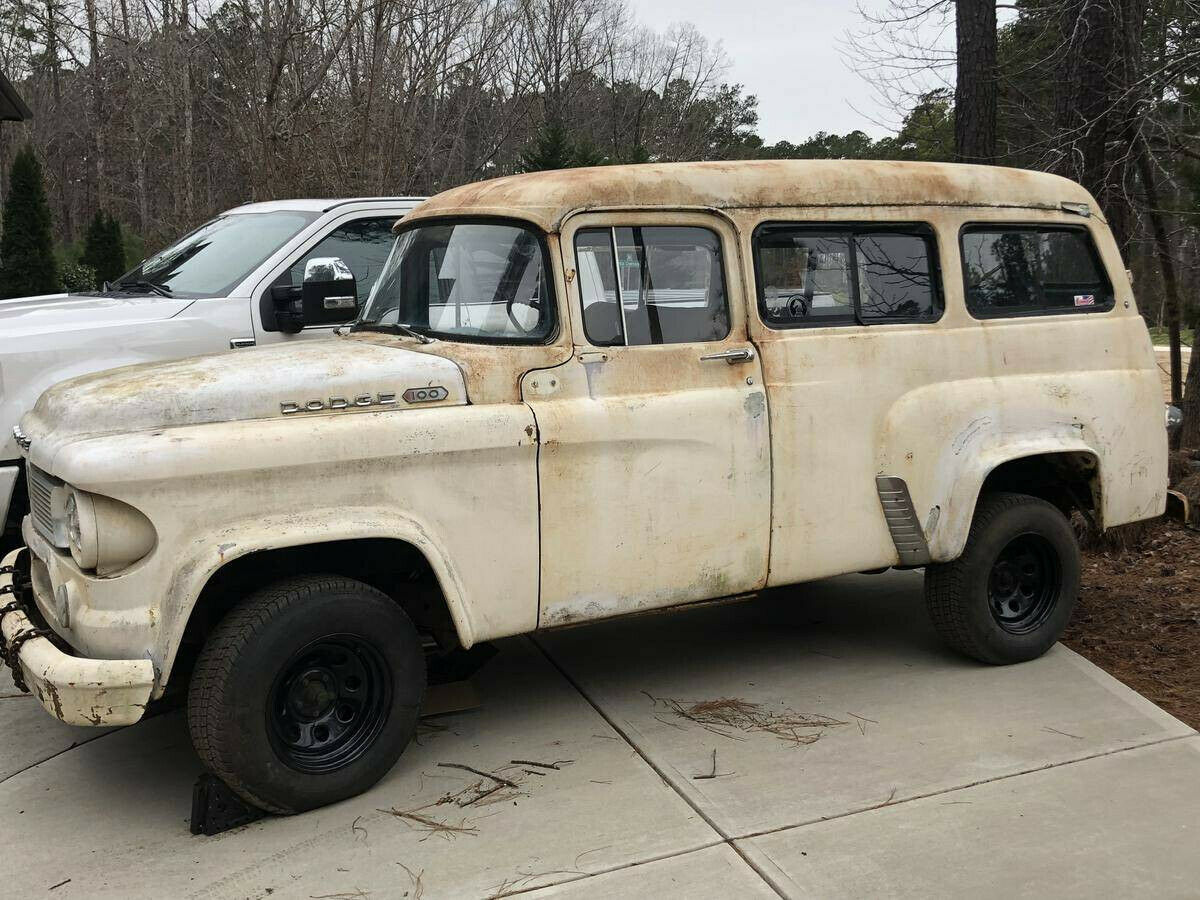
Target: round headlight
x=82 y=537
x=106 y=534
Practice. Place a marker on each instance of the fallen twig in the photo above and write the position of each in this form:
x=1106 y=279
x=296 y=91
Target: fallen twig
x=479 y=796
x=552 y=765
x=503 y=781
x=713 y=774
x=861 y=721
x=525 y=881
x=586 y=852
x=418 y=888
x=1063 y=733
x=433 y=826
x=733 y=713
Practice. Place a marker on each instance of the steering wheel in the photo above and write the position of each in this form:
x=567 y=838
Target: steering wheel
x=797 y=306
x=533 y=303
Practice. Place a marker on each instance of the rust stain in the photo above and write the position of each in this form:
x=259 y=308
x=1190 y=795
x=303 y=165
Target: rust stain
x=55 y=700
x=546 y=198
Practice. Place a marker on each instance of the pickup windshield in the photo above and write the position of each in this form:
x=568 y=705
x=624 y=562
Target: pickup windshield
x=468 y=281
x=214 y=258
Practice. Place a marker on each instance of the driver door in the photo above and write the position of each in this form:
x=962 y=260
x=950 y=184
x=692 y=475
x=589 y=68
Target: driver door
x=654 y=460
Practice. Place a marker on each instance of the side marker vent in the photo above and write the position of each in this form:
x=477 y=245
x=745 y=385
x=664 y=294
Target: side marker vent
x=902 y=520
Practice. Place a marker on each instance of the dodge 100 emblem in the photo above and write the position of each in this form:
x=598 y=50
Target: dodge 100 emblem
x=428 y=394
x=387 y=398
x=425 y=394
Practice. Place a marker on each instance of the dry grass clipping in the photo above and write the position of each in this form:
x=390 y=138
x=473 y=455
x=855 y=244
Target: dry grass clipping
x=503 y=785
x=728 y=715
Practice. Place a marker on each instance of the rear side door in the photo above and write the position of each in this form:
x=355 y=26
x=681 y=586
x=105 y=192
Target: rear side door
x=654 y=463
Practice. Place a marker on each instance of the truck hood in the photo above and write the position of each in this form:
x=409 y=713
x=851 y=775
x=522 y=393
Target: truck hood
x=65 y=312
x=321 y=378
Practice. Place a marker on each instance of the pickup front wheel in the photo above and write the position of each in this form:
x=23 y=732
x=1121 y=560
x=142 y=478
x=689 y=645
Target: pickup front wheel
x=1010 y=594
x=307 y=692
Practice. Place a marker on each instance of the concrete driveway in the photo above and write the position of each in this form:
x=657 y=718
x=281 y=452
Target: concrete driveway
x=864 y=760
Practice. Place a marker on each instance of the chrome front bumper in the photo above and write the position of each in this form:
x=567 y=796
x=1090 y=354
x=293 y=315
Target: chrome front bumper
x=76 y=690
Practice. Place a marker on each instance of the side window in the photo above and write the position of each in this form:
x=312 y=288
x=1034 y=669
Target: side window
x=1018 y=270
x=842 y=275
x=363 y=245
x=651 y=285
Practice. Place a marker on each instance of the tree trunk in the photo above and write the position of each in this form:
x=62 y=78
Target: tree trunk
x=1162 y=244
x=96 y=88
x=1117 y=199
x=184 y=46
x=1083 y=108
x=975 y=89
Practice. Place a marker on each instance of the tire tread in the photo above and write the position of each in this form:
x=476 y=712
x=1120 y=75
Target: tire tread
x=945 y=583
x=214 y=669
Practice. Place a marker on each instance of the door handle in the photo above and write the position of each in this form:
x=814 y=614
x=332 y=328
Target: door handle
x=741 y=354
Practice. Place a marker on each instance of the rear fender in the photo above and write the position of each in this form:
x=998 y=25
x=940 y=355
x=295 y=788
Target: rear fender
x=944 y=439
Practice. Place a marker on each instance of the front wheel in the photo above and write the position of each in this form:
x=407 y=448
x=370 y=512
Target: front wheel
x=307 y=692
x=1010 y=594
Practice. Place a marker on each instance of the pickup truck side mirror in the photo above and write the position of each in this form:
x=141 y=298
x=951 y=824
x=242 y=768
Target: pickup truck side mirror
x=327 y=296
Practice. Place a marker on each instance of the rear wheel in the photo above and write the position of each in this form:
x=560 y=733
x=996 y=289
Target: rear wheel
x=1010 y=594
x=307 y=692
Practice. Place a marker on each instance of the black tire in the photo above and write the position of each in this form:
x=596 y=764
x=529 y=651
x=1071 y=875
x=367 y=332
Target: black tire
x=306 y=654
x=1010 y=594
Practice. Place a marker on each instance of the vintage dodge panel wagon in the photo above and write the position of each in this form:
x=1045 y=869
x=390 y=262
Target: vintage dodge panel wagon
x=579 y=394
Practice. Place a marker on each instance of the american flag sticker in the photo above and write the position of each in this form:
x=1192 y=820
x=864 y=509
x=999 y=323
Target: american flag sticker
x=1085 y=299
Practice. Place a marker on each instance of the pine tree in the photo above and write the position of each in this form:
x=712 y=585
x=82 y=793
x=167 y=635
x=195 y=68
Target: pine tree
x=587 y=154
x=116 y=250
x=27 y=263
x=93 y=245
x=104 y=248
x=551 y=149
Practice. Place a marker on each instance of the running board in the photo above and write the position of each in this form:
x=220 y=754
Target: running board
x=902 y=520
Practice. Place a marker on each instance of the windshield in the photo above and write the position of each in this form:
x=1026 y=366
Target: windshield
x=214 y=258
x=482 y=281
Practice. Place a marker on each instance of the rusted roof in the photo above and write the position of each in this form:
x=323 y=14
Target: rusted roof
x=548 y=197
x=12 y=107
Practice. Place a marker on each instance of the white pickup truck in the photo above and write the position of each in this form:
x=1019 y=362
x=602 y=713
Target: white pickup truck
x=236 y=281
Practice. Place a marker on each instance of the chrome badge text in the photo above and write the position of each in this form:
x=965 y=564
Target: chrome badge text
x=386 y=398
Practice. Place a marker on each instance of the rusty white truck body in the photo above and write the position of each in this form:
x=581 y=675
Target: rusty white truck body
x=577 y=476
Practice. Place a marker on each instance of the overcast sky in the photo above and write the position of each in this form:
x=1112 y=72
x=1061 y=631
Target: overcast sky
x=788 y=53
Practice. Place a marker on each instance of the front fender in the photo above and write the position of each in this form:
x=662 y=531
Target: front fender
x=210 y=552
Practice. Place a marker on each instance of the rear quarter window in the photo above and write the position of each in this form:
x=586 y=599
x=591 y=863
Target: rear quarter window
x=845 y=274
x=1030 y=270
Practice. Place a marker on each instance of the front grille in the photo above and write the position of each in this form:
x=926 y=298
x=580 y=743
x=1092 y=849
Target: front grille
x=41 y=511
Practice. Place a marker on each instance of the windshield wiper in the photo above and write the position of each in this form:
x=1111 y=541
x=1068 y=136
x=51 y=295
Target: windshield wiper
x=406 y=330
x=142 y=287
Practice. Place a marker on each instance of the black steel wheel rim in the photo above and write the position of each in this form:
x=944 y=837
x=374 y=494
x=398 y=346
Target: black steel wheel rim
x=329 y=703
x=1024 y=584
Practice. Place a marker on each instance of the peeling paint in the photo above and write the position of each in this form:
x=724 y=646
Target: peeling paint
x=755 y=404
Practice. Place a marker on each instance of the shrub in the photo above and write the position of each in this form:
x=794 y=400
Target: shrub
x=27 y=263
